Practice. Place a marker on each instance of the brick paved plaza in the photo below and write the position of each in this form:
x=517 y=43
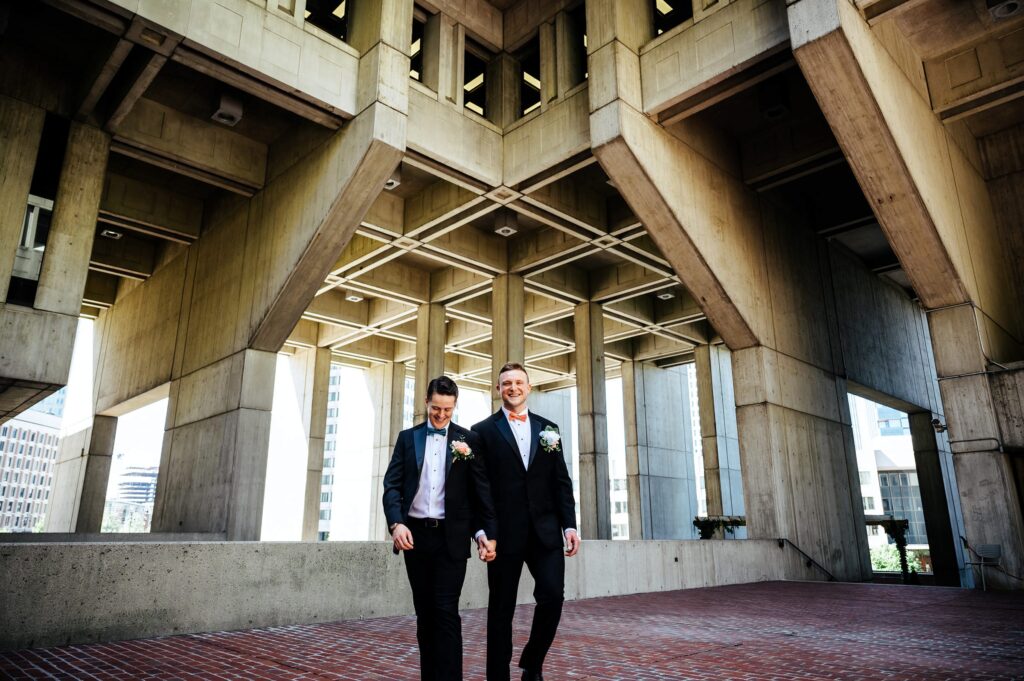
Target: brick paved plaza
x=755 y=631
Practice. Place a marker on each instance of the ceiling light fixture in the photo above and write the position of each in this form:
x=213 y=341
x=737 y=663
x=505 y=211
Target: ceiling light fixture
x=395 y=179
x=666 y=295
x=229 y=112
x=111 y=234
x=505 y=222
x=354 y=298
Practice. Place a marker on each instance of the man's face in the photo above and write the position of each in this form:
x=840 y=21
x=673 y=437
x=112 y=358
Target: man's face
x=439 y=409
x=514 y=387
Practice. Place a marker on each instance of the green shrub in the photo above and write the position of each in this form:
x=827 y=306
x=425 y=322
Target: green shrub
x=887 y=559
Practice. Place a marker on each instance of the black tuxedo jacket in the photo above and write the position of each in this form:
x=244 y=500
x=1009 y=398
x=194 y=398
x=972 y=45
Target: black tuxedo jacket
x=468 y=506
x=539 y=496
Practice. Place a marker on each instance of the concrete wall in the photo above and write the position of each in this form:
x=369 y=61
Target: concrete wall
x=111 y=591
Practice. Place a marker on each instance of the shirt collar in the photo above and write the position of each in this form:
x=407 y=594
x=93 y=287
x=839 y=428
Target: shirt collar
x=526 y=412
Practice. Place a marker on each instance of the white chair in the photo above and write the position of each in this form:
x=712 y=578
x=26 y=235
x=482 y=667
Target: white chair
x=988 y=554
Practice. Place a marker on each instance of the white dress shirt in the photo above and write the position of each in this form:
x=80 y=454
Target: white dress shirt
x=523 y=434
x=429 y=499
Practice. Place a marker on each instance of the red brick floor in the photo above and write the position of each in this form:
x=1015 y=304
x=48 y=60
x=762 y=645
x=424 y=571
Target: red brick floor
x=778 y=630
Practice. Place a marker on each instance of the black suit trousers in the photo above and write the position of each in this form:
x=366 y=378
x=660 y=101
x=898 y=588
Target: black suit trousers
x=547 y=566
x=436 y=580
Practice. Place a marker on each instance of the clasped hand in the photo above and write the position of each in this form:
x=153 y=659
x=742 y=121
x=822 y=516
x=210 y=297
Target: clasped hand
x=487 y=549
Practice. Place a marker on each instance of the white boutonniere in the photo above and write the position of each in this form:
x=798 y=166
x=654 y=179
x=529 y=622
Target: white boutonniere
x=550 y=439
x=461 y=451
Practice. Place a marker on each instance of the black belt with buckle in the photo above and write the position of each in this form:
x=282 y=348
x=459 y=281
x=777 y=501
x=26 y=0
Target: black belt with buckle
x=427 y=522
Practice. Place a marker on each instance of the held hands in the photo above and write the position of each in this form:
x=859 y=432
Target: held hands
x=402 y=537
x=487 y=549
x=572 y=543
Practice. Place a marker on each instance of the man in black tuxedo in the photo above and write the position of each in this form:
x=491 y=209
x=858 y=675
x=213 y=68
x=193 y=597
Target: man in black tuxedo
x=535 y=508
x=436 y=492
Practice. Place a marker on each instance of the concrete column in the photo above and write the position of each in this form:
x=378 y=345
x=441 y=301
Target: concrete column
x=80 y=478
x=659 y=452
x=548 y=64
x=214 y=461
x=317 y=372
x=503 y=93
x=595 y=496
x=723 y=483
x=985 y=479
x=430 y=339
x=387 y=390
x=21 y=128
x=97 y=474
x=939 y=502
x=508 y=339
x=443 y=56
x=634 y=412
x=760 y=284
x=385 y=21
x=571 y=64
x=75 y=210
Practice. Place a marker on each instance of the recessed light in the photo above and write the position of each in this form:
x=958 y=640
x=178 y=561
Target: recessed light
x=111 y=234
x=354 y=298
x=666 y=295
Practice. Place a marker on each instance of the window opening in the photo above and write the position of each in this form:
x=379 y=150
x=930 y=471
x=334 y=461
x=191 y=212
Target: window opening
x=419 y=25
x=474 y=73
x=670 y=13
x=529 y=80
x=329 y=16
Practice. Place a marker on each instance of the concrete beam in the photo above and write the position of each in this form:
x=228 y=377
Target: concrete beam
x=923 y=190
x=977 y=76
x=149 y=209
x=130 y=256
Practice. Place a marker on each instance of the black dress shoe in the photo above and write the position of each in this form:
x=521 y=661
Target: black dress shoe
x=530 y=675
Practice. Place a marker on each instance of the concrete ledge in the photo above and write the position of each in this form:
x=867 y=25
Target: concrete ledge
x=62 y=593
x=108 y=537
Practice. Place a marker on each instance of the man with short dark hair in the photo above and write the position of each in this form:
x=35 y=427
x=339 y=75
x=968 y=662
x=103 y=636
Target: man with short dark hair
x=436 y=492
x=535 y=509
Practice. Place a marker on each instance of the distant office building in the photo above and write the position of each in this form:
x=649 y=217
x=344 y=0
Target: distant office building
x=888 y=477
x=28 y=453
x=330 y=453
x=138 y=485
x=54 y=404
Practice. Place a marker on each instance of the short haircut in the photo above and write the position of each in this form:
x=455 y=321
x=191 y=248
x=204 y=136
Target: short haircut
x=513 y=366
x=442 y=385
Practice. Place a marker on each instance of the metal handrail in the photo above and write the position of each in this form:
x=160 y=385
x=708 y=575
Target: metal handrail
x=810 y=561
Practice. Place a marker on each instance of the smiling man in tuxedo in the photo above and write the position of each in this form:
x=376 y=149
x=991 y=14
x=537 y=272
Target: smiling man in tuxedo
x=535 y=508
x=436 y=492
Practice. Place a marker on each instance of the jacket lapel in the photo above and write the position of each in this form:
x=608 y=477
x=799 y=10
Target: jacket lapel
x=535 y=436
x=501 y=423
x=448 y=450
x=419 y=437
